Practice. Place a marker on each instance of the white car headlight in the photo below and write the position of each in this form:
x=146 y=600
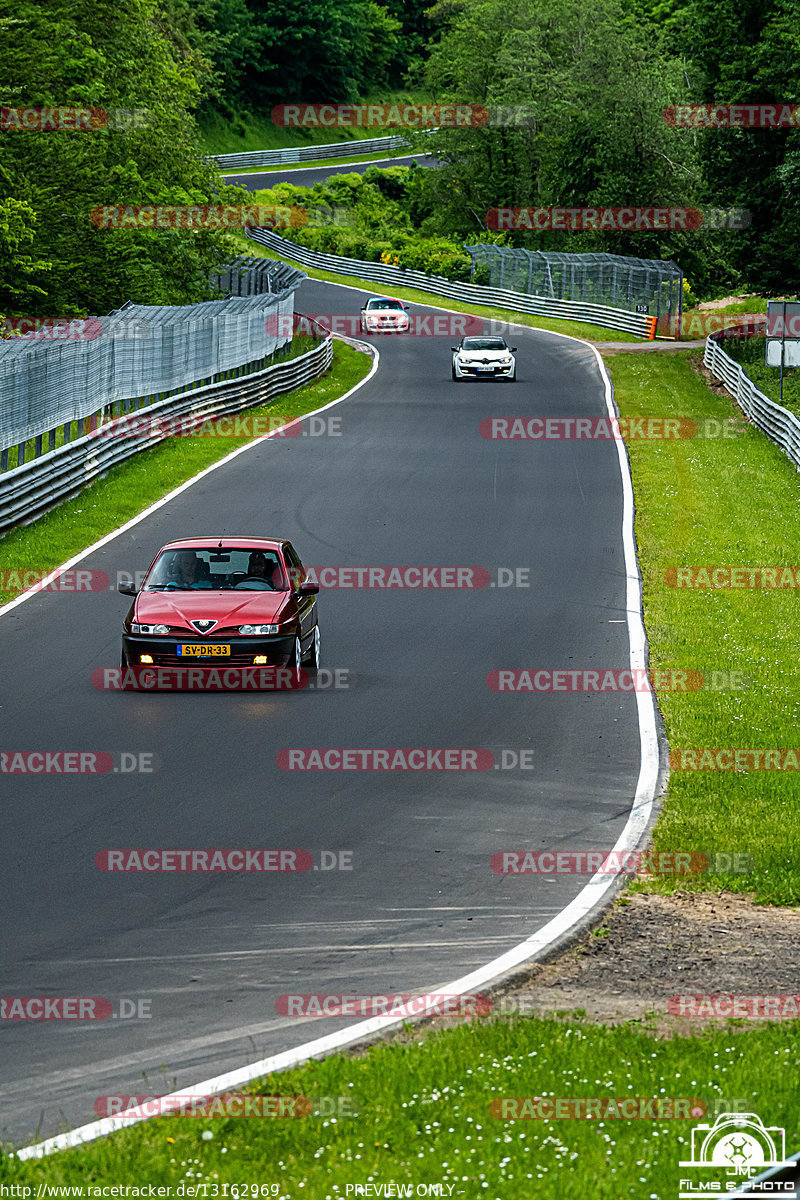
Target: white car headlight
x=506 y=359
x=153 y=630
x=258 y=630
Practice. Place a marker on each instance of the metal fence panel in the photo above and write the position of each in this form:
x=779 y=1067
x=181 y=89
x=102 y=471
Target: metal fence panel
x=648 y=285
x=140 y=351
x=30 y=490
x=593 y=314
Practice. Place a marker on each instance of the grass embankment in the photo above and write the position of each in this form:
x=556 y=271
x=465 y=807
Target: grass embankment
x=245 y=131
x=133 y=485
x=424 y=1118
x=720 y=502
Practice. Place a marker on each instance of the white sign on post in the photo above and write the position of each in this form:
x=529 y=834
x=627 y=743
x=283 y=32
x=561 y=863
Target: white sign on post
x=783 y=333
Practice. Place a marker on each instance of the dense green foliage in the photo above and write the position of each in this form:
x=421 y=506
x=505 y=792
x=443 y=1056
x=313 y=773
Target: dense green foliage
x=53 y=262
x=592 y=85
x=373 y=216
x=595 y=82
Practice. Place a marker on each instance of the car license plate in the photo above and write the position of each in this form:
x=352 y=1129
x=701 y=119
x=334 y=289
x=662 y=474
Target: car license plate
x=193 y=651
x=486 y=368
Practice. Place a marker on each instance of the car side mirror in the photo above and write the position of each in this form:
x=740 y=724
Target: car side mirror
x=127 y=589
x=308 y=589
x=513 y=349
x=454 y=349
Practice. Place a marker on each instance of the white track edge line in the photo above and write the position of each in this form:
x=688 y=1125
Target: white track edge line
x=182 y=487
x=590 y=897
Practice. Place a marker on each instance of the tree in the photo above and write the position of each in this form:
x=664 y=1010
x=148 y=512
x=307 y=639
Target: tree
x=71 y=53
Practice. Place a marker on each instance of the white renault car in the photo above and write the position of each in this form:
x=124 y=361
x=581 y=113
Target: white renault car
x=382 y=315
x=484 y=358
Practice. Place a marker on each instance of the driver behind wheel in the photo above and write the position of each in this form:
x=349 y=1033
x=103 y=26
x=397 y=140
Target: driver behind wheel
x=261 y=567
x=186 y=568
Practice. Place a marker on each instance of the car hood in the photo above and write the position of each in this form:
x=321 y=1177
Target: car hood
x=226 y=608
x=484 y=355
x=385 y=312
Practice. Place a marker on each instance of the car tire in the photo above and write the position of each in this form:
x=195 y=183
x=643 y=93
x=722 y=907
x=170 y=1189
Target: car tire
x=126 y=683
x=311 y=660
x=296 y=662
x=456 y=378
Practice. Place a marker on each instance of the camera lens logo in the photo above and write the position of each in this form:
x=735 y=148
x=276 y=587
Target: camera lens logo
x=738 y=1142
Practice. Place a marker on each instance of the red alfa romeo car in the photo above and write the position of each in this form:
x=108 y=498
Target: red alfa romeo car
x=223 y=602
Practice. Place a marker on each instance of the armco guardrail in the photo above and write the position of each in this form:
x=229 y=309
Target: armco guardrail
x=298 y=154
x=542 y=306
x=28 y=491
x=782 y=426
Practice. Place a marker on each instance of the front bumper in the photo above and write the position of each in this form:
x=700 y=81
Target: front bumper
x=470 y=371
x=163 y=652
x=388 y=327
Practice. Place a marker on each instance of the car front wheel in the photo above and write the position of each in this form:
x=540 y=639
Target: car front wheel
x=311 y=659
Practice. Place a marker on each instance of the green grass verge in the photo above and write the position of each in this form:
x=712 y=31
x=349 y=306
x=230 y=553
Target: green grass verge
x=579 y=329
x=133 y=485
x=424 y=1117
x=719 y=502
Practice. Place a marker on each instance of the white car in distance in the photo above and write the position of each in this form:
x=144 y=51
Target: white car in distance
x=383 y=315
x=484 y=357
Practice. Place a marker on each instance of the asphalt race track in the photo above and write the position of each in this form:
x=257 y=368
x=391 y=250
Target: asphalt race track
x=408 y=481
x=308 y=176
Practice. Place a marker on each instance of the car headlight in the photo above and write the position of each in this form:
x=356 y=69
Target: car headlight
x=258 y=630
x=506 y=359
x=153 y=630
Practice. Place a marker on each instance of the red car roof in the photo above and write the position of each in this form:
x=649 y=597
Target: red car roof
x=227 y=543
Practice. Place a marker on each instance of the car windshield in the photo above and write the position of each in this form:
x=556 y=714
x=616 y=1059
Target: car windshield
x=486 y=343
x=245 y=568
x=393 y=304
